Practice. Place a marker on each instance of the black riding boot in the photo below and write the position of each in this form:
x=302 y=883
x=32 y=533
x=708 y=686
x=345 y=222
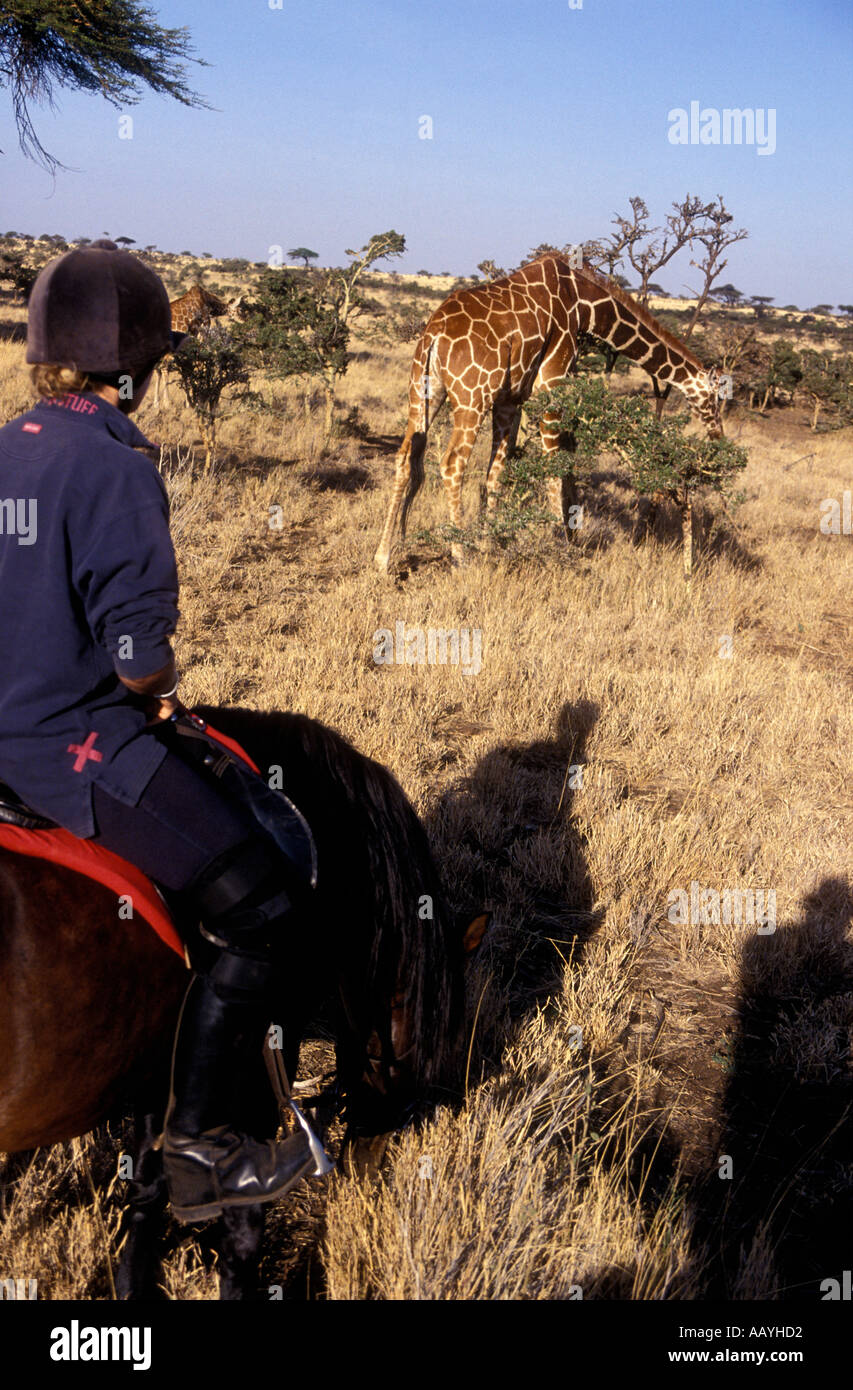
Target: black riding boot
x=208 y=1164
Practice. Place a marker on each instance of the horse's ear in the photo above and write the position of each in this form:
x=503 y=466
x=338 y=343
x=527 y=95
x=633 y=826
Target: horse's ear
x=475 y=931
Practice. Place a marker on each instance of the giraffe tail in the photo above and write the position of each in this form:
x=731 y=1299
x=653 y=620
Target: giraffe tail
x=424 y=389
x=426 y=385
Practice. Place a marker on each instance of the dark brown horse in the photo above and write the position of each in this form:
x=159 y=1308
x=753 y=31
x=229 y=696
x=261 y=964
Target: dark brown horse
x=88 y=1002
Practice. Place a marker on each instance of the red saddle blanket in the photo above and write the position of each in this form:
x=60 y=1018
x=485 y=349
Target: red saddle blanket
x=121 y=877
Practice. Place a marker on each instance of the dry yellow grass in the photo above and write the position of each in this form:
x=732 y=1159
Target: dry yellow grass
x=581 y=1159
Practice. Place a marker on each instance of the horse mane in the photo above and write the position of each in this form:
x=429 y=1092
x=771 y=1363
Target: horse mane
x=359 y=812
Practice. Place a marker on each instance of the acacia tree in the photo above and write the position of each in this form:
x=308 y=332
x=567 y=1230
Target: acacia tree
x=827 y=382
x=344 y=281
x=640 y=244
x=114 y=47
x=646 y=252
x=715 y=237
x=206 y=364
x=734 y=348
x=761 y=303
x=571 y=251
x=605 y=255
x=302 y=253
x=784 y=371
x=545 y=248
x=490 y=270
x=341 y=295
x=23 y=276
x=729 y=295
x=291 y=329
x=303 y=329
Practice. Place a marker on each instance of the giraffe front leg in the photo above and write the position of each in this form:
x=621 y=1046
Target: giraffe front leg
x=161 y=382
x=561 y=492
x=505 y=422
x=563 y=505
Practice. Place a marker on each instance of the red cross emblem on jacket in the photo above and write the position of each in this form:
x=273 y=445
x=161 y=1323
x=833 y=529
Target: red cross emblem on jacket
x=84 y=752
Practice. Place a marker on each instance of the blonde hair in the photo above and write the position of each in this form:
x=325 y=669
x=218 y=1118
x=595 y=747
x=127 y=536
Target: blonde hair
x=53 y=379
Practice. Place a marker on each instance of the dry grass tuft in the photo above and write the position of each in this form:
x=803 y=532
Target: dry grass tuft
x=533 y=1190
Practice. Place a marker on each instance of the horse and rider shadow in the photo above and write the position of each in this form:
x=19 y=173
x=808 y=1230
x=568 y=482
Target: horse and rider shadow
x=507 y=841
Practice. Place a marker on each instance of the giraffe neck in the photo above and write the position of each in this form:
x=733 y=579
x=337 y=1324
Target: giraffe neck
x=645 y=343
x=627 y=326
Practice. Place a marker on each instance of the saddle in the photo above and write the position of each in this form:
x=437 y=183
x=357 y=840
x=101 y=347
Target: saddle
x=24 y=830
x=14 y=811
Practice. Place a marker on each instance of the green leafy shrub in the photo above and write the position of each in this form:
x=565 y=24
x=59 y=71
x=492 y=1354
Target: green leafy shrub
x=659 y=456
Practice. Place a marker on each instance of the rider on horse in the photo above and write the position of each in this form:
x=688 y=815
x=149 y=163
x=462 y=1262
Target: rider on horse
x=88 y=699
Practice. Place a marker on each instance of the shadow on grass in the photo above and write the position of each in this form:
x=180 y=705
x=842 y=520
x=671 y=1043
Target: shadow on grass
x=770 y=1216
x=12 y=332
x=781 y=1223
x=612 y=508
x=346 y=480
x=505 y=839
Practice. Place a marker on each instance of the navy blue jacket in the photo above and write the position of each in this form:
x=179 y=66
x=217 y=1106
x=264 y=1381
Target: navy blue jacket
x=88 y=591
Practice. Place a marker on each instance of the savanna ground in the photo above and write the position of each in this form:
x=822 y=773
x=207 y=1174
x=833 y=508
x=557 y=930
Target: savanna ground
x=653 y=1110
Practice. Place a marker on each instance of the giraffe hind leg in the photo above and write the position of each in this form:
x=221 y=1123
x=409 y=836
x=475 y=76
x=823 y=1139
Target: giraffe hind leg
x=453 y=463
x=161 y=386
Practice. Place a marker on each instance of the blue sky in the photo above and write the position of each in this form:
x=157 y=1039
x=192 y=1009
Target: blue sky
x=545 y=120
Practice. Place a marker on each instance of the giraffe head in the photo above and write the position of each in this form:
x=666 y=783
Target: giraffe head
x=704 y=394
x=211 y=305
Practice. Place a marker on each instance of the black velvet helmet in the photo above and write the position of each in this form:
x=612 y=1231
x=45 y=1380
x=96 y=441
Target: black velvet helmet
x=101 y=310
